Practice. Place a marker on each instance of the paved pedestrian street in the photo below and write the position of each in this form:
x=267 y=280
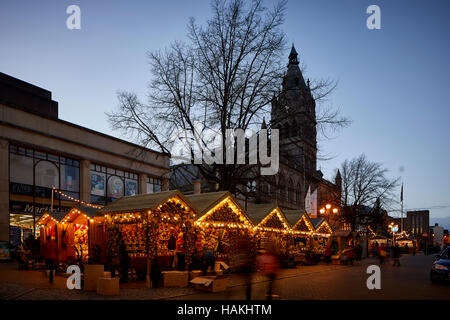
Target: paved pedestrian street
x=410 y=281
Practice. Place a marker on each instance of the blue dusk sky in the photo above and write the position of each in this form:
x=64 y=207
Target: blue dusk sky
x=393 y=83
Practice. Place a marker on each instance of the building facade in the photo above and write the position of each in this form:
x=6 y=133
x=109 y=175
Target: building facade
x=39 y=151
x=298 y=184
x=417 y=222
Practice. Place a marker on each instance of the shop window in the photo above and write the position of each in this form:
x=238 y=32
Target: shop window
x=115 y=188
x=69 y=178
x=131 y=187
x=153 y=185
x=98 y=184
x=46 y=174
x=21 y=169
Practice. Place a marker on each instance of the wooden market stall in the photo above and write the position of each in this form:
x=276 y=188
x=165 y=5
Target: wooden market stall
x=406 y=244
x=302 y=229
x=149 y=228
x=380 y=239
x=222 y=223
x=47 y=226
x=73 y=234
x=341 y=240
x=271 y=226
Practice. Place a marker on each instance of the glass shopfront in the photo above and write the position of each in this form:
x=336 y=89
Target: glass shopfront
x=32 y=173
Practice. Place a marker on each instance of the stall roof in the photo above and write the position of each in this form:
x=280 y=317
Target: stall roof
x=378 y=237
x=206 y=201
x=144 y=202
x=293 y=216
x=317 y=221
x=88 y=211
x=58 y=216
x=257 y=212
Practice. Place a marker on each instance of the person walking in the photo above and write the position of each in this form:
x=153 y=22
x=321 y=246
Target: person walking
x=269 y=263
x=327 y=254
x=406 y=248
x=50 y=256
x=245 y=263
x=350 y=254
x=382 y=253
x=358 y=252
x=396 y=255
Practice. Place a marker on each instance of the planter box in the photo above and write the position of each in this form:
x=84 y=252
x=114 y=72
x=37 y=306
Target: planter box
x=108 y=286
x=91 y=273
x=194 y=274
x=211 y=283
x=175 y=278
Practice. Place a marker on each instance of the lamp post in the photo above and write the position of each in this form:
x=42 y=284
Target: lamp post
x=394 y=229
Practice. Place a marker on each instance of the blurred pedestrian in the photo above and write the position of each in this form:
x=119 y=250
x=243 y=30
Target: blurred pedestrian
x=396 y=255
x=327 y=254
x=358 y=252
x=406 y=248
x=414 y=248
x=155 y=273
x=245 y=263
x=382 y=253
x=208 y=260
x=50 y=256
x=350 y=254
x=269 y=264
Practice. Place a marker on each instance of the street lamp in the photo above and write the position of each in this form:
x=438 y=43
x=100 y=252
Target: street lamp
x=327 y=209
x=394 y=229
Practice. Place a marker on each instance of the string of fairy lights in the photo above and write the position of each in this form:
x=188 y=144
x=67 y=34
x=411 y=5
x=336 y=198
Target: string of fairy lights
x=62 y=194
x=243 y=224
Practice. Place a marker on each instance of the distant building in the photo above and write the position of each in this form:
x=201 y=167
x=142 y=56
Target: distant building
x=417 y=222
x=438 y=235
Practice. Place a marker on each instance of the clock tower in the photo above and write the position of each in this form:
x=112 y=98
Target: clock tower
x=294 y=114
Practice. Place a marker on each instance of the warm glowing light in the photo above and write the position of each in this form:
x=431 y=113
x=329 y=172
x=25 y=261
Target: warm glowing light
x=328 y=206
x=322 y=211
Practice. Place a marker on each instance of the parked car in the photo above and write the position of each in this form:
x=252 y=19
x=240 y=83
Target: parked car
x=440 y=271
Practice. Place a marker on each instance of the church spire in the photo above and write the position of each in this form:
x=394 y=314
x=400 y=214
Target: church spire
x=264 y=124
x=293 y=56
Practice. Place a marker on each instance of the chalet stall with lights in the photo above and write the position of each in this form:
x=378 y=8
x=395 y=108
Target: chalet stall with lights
x=303 y=246
x=323 y=230
x=47 y=227
x=73 y=234
x=150 y=227
x=271 y=226
x=222 y=223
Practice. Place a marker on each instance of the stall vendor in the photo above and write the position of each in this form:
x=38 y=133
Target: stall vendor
x=180 y=252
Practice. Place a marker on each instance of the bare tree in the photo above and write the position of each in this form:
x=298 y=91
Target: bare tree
x=365 y=183
x=223 y=77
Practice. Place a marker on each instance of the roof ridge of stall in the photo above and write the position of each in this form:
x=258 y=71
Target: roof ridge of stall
x=143 y=202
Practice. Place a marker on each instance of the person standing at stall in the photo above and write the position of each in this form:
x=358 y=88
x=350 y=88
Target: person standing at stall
x=50 y=256
x=180 y=252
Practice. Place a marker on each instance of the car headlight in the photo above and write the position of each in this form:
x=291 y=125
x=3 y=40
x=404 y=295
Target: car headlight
x=440 y=267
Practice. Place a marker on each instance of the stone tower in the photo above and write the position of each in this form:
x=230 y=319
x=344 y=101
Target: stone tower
x=294 y=114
